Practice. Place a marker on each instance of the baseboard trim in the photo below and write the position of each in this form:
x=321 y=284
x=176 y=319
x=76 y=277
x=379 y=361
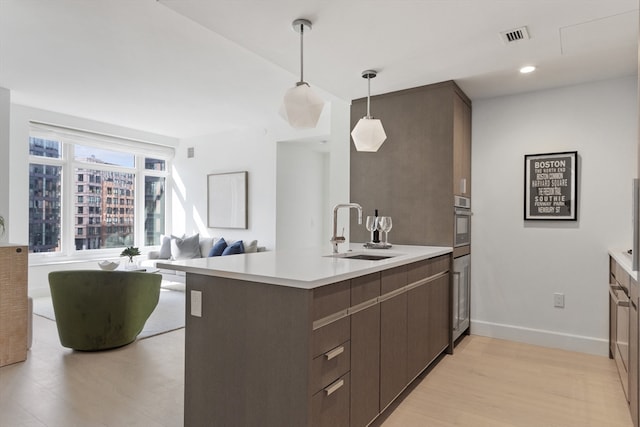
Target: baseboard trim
x=571 y=342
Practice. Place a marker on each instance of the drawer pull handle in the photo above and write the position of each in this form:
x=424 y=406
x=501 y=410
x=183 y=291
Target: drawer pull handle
x=334 y=353
x=334 y=387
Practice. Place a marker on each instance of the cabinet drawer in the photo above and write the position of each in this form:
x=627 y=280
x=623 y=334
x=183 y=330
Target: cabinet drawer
x=330 y=336
x=439 y=264
x=330 y=406
x=429 y=267
x=418 y=271
x=328 y=367
x=393 y=279
x=365 y=288
x=331 y=299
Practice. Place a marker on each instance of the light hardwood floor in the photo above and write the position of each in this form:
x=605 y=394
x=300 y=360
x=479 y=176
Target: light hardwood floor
x=487 y=382
x=497 y=383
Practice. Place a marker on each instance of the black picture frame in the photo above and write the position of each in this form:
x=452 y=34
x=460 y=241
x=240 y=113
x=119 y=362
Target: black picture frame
x=551 y=186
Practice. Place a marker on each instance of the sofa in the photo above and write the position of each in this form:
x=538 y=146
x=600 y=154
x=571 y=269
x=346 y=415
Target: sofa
x=174 y=248
x=99 y=310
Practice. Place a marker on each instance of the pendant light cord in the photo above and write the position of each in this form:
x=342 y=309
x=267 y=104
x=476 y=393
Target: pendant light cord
x=301 y=53
x=368 y=97
x=369 y=74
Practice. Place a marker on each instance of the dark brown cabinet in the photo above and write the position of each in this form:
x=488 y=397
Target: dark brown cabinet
x=335 y=355
x=461 y=146
x=633 y=351
x=393 y=335
x=623 y=332
x=365 y=353
x=439 y=318
x=424 y=162
x=418 y=329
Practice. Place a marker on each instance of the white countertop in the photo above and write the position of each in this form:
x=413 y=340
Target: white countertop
x=623 y=258
x=304 y=268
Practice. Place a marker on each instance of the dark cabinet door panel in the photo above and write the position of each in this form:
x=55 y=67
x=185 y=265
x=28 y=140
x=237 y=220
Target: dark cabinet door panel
x=393 y=348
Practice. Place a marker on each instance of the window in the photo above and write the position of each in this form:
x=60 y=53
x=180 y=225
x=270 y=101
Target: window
x=69 y=216
x=45 y=194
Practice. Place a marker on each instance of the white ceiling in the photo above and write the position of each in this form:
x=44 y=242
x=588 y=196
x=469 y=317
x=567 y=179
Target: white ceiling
x=192 y=67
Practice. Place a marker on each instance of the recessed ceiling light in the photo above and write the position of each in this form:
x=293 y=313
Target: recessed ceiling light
x=528 y=69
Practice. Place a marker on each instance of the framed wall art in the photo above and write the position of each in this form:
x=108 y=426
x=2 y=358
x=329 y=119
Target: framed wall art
x=227 y=200
x=550 y=186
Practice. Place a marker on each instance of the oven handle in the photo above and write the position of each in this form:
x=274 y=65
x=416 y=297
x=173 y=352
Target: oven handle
x=616 y=300
x=465 y=212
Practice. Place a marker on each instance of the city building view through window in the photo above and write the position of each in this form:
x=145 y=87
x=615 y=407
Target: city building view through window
x=99 y=195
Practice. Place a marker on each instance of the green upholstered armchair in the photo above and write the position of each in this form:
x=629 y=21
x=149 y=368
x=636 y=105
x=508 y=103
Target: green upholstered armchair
x=98 y=310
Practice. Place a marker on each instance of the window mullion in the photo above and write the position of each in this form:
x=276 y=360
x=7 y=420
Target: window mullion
x=67 y=234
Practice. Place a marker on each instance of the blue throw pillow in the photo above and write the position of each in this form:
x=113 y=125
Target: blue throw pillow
x=218 y=248
x=233 y=249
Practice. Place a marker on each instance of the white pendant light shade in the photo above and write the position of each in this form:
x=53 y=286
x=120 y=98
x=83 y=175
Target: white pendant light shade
x=368 y=134
x=301 y=107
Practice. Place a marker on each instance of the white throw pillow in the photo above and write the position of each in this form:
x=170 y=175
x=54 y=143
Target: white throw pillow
x=250 y=246
x=206 y=243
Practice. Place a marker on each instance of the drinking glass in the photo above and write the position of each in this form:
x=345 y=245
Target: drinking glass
x=372 y=225
x=385 y=224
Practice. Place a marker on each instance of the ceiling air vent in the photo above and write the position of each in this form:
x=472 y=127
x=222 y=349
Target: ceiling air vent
x=515 y=35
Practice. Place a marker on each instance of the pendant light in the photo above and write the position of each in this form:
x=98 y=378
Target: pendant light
x=368 y=134
x=301 y=106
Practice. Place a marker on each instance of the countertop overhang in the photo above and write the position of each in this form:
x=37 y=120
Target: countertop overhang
x=623 y=258
x=304 y=268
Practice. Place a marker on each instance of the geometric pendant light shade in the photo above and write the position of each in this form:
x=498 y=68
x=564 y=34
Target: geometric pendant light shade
x=368 y=134
x=301 y=106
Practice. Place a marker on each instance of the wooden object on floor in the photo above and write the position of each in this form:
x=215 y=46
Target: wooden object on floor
x=13 y=304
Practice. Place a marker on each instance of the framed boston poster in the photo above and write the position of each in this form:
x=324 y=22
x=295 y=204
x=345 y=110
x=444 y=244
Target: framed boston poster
x=551 y=186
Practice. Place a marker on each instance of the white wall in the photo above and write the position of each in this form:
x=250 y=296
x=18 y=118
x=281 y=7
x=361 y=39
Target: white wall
x=5 y=100
x=517 y=265
x=302 y=178
x=270 y=200
x=247 y=150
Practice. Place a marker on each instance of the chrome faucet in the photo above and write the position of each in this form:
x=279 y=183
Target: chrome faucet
x=335 y=240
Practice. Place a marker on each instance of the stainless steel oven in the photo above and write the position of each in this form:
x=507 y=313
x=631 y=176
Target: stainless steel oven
x=619 y=296
x=462 y=221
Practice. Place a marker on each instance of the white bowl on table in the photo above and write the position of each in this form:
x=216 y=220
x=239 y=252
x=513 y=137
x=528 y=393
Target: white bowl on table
x=108 y=265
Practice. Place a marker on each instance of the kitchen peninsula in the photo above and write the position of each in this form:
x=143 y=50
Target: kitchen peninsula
x=307 y=338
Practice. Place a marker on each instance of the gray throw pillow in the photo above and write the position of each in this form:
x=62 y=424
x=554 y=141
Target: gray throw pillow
x=165 y=247
x=186 y=248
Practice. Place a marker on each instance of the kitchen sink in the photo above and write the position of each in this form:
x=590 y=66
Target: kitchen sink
x=362 y=256
x=368 y=257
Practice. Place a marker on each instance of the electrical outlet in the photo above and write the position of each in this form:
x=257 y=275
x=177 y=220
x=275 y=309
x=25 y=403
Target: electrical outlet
x=196 y=303
x=558 y=300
